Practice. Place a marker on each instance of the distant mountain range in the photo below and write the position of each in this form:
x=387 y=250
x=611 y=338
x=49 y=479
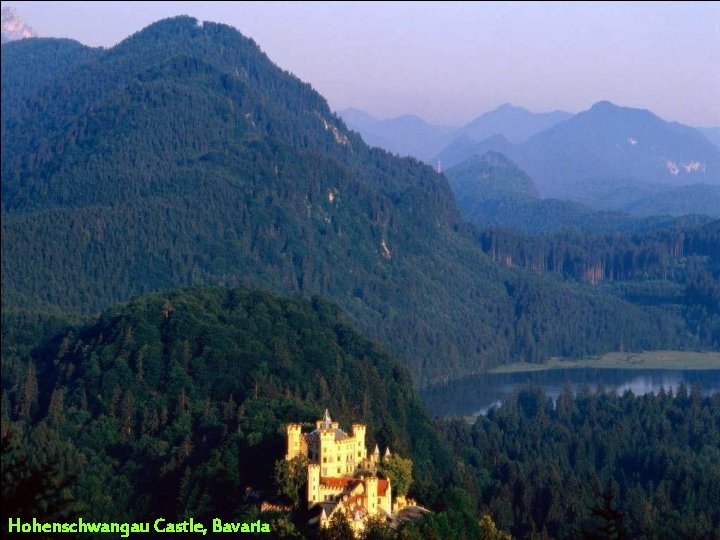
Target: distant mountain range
x=412 y=136
x=613 y=158
x=13 y=27
x=406 y=135
x=610 y=142
x=492 y=191
x=516 y=124
x=608 y=157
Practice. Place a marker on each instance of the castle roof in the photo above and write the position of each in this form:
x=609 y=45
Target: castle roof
x=339 y=434
x=338 y=482
x=349 y=483
x=326 y=424
x=356 y=505
x=382 y=487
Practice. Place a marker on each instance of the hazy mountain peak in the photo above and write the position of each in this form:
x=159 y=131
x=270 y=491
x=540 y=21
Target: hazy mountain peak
x=607 y=108
x=489 y=175
x=509 y=108
x=515 y=123
x=13 y=27
x=414 y=118
x=592 y=150
x=604 y=104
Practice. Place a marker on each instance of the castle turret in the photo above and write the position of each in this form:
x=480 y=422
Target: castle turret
x=360 y=452
x=313 y=485
x=294 y=439
x=375 y=456
x=328 y=453
x=387 y=499
x=371 y=492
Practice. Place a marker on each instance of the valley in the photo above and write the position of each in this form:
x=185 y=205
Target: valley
x=516 y=315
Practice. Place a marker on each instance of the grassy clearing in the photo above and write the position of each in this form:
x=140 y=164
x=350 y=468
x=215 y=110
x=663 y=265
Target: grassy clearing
x=623 y=360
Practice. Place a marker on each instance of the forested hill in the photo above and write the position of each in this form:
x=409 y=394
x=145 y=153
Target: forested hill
x=677 y=268
x=188 y=394
x=184 y=156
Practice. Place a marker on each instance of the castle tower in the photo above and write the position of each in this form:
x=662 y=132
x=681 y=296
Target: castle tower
x=313 y=485
x=371 y=491
x=328 y=453
x=294 y=438
x=387 y=501
x=360 y=453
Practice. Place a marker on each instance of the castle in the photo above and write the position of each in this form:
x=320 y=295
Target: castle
x=341 y=475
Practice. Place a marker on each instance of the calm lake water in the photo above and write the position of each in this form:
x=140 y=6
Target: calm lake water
x=475 y=395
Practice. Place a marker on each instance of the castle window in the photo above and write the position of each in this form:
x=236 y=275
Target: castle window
x=324 y=460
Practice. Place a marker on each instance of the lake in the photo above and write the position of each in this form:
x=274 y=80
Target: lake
x=474 y=395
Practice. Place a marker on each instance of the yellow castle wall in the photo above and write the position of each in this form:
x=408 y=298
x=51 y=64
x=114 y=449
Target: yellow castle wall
x=328 y=457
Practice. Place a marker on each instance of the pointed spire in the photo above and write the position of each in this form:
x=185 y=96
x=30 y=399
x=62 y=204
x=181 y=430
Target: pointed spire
x=377 y=450
x=328 y=420
x=387 y=452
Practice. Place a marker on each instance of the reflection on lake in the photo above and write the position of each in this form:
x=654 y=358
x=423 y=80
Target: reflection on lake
x=475 y=395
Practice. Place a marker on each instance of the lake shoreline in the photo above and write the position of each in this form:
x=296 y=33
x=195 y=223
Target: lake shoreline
x=475 y=395
x=670 y=360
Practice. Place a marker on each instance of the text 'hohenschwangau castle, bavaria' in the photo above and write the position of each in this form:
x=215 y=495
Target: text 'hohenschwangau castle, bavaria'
x=342 y=477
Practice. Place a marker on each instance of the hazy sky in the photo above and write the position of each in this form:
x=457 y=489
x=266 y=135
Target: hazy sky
x=450 y=62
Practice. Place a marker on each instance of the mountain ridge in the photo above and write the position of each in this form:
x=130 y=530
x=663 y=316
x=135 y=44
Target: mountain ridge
x=492 y=191
x=514 y=123
x=596 y=154
x=184 y=156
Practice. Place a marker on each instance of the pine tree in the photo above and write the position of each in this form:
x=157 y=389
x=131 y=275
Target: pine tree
x=30 y=392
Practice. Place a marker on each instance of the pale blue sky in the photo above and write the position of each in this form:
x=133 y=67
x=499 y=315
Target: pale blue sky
x=449 y=62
